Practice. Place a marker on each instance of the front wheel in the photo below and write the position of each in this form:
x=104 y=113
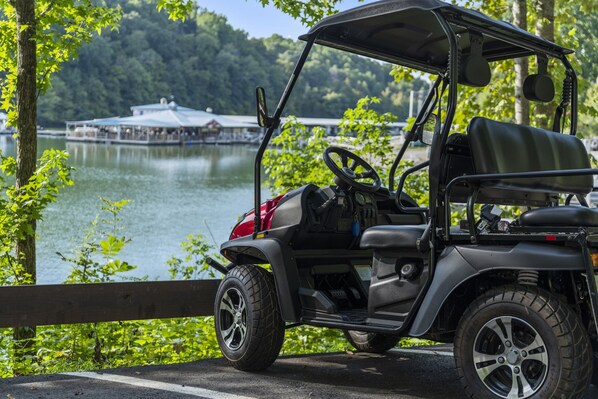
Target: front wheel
x=522 y=342
x=249 y=327
x=371 y=342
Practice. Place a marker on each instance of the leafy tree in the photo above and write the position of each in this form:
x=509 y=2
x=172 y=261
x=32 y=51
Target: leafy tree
x=307 y=12
x=204 y=62
x=369 y=132
x=37 y=37
x=297 y=158
x=497 y=100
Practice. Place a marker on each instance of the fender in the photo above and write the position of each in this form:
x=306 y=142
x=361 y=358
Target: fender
x=284 y=268
x=460 y=263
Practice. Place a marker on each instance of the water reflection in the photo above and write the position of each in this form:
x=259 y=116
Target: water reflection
x=175 y=191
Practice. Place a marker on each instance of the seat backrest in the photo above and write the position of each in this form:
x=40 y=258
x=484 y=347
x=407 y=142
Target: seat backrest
x=457 y=162
x=498 y=147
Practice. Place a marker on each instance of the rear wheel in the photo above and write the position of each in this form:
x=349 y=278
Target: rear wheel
x=371 y=342
x=522 y=342
x=595 y=375
x=249 y=327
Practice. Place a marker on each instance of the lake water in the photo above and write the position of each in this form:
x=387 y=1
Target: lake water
x=176 y=191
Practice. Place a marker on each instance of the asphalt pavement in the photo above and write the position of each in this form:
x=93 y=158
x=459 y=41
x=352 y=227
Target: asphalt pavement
x=403 y=374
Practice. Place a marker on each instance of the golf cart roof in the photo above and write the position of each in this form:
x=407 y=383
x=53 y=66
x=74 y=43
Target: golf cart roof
x=407 y=32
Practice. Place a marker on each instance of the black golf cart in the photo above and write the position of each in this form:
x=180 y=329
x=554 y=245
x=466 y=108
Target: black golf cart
x=517 y=298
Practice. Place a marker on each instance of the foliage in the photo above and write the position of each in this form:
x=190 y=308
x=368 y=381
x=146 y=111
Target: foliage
x=586 y=31
x=369 y=132
x=95 y=258
x=297 y=158
x=62 y=27
x=307 y=12
x=204 y=62
x=308 y=339
x=589 y=122
x=94 y=345
x=497 y=100
x=177 y=10
x=19 y=209
x=194 y=262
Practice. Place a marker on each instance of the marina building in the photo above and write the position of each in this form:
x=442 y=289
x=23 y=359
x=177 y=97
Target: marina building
x=167 y=123
x=163 y=123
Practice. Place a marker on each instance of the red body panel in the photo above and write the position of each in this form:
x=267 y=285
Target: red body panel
x=245 y=227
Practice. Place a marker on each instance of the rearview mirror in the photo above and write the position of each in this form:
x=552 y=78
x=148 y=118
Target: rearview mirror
x=263 y=118
x=429 y=129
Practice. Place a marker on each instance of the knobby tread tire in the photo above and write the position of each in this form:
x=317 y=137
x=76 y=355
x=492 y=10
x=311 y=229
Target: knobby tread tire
x=371 y=342
x=574 y=347
x=595 y=359
x=265 y=327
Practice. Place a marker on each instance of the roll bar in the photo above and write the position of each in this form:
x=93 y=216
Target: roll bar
x=257 y=222
x=439 y=140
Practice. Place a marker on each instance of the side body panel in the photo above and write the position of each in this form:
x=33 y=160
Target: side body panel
x=284 y=268
x=459 y=263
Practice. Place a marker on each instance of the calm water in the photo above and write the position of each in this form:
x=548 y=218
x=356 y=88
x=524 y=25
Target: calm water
x=175 y=191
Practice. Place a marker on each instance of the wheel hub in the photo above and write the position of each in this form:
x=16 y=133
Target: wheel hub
x=510 y=358
x=513 y=357
x=233 y=319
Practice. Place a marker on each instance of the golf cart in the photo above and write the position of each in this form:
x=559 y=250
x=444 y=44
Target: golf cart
x=517 y=298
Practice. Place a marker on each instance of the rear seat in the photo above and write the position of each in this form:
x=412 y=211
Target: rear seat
x=498 y=147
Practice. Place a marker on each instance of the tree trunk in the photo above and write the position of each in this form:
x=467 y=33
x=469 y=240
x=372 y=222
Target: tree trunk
x=545 y=29
x=521 y=66
x=27 y=130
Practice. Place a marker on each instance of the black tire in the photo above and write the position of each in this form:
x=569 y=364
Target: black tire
x=527 y=342
x=371 y=342
x=249 y=336
x=595 y=356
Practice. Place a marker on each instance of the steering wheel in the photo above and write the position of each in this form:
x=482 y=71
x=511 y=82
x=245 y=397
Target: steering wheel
x=348 y=174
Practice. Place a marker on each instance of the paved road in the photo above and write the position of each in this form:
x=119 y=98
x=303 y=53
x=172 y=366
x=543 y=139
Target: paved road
x=420 y=374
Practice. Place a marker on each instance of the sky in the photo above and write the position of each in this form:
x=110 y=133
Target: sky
x=258 y=21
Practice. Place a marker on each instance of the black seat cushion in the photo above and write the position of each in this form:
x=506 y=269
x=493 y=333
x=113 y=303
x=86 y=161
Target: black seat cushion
x=392 y=237
x=561 y=216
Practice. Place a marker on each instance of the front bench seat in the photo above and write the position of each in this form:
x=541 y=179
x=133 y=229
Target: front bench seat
x=392 y=237
x=560 y=216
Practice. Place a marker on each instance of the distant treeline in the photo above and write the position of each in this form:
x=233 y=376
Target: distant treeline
x=205 y=62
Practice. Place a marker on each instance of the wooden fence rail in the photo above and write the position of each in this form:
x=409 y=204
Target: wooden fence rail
x=86 y=303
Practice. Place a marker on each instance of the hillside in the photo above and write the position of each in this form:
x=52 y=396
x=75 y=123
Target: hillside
x=205 y=62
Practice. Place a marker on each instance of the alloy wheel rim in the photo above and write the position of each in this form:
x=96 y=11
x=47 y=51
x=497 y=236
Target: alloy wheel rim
x=233 y=319
x=510 y=358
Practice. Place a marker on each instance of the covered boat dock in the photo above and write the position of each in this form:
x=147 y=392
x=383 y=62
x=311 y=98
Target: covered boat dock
x=163 y=124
